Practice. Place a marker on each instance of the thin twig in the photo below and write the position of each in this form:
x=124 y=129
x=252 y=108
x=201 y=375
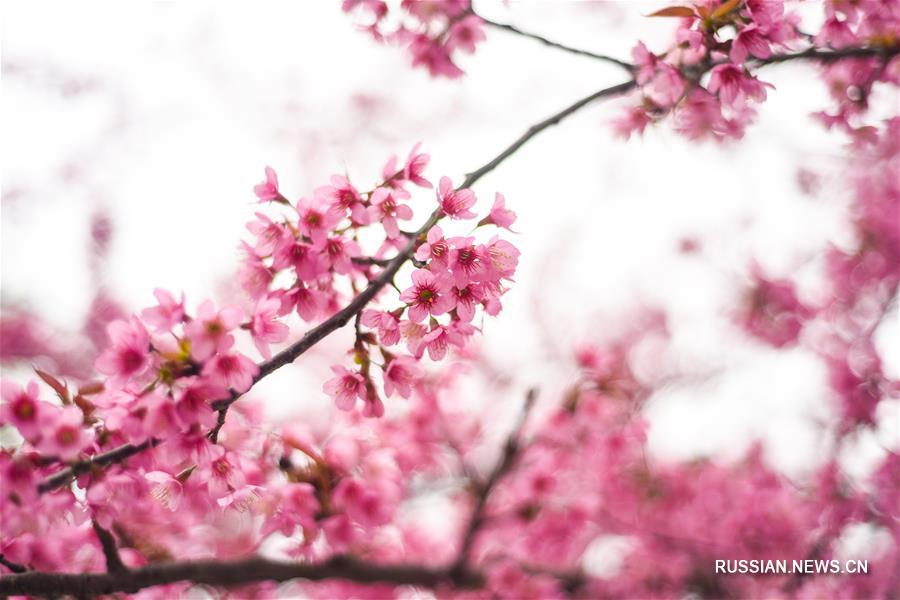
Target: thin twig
x=370 y=260
x=114 y=562
x=831 y=55
x=513 y=29
x=229 y=573
x=503 y=466
x=100 y=460
x=12 y=566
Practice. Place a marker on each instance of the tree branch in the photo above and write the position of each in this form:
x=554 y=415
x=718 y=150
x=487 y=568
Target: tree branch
x=12 y=566
x=826 y=56
x=114 y=562
x=229 y=573
x=506 y=462
x=547 y=42
x=100 y=460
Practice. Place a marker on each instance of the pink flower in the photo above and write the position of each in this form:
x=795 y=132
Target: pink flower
x=455 y=203
x=646 y=63
x=772 y=311
x=345 y=387
x=466 y=261
x=193 y=396
x=265 y=327
x=436 y=249
x=372 y=404
x=298 y=506
x=467 y=298
x=128 y=356
x=835 y=33
x=414 y=334
x=415 y=165
x=209 y=331
x=667 y=86
x=500 y=215
x=433 y=56
x=429 y=294
x=401 y=374
x=232 y=370
x=343 y=197
x=700 y=115
x=65 y=435
x=388 y=325
x=339 y=532
x=501 y=259
x=338 y=254
x=223 y=474
x=22 y=409
x=167 y=313
x=465 y=34
x=307 y=301
x=315 y=219
x=165 y=489
x=268 y=189
x=255 y=277
x=269 y=234
x=734 y=85
x=241 y=498
x=159 y=415
x=302 y=257
x=386 y=209
x=437 y=341
x=633 y=120
x=750 y=41
x=363 y=504
x=766 y=12
x=691 y=47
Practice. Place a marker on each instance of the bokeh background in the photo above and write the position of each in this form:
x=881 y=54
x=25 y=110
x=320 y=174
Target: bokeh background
x=133 y=133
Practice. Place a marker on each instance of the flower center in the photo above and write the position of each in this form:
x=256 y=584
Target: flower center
x=131 y=360
x=25 y=409
x=65 y=436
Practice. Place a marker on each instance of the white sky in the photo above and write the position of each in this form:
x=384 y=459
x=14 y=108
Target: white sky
x=165 y=113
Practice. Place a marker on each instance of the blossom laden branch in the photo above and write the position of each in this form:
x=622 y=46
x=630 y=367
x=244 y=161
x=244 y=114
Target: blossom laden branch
x=342 y=317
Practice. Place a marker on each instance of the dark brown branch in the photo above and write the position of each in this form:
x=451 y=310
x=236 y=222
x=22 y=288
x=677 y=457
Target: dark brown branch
x=826 y=56
x=503 y=466
x=12 y=566
x=229 y=573
x=114 y=563
x=547 y=42
x=370 y=260
x=100 y=460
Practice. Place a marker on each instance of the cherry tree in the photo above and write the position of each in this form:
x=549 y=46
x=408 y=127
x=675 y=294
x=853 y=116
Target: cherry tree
x=152 y=474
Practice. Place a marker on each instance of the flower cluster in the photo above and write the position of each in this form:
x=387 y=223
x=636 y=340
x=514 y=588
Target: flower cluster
x=705 y=81
x=168 y=369
x=772 y=311
x=432 y=30
x=456 y=276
